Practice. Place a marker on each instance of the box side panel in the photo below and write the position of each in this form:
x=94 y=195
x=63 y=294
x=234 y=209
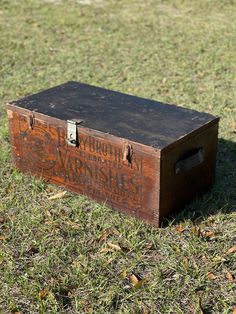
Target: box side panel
x=95 y=168
x=188 y=169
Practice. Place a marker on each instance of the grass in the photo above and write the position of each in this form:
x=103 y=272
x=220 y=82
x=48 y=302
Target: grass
x=56 y=255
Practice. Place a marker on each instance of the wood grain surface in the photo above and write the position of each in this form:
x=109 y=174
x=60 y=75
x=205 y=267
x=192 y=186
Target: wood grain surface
x=142 y=157
x=95 y=168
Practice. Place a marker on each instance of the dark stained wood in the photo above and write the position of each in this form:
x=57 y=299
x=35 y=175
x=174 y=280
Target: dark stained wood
x=137 y=119
x=139 y=156
x=178 y=188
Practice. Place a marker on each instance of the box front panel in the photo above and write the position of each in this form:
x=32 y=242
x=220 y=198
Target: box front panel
x=96 y=167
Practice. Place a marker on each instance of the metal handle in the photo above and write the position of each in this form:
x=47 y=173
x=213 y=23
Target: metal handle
x=190 y=162
x=127 y=152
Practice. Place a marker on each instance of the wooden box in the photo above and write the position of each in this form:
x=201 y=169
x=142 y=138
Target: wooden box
x=140 y=156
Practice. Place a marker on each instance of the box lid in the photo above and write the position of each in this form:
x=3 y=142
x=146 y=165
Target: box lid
x=137 y=119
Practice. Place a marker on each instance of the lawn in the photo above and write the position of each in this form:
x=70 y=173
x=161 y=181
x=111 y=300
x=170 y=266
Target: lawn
x=71 y=255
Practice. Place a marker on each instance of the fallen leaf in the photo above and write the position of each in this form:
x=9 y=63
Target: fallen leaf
x=133 y=279
x=136 y=282
x=110 y=260
x=58 y=195
x=218 y=259
x=234 y=311
x=180 y=229
x=211 y=276
x=73 y=224
x=104 y=236
x=149 y=245
x=232 y=249
x=90 y=242
x=43 y=293
x=105 y=250
x=114 y=246
x=2 y=238
x=204 y=234
x=107 y=233
x=229 y=276
x=207 y=234
x=69 y=294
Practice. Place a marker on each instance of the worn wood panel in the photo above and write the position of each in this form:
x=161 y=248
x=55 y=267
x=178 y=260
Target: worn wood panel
x=95 y=168
x=141 y=120
x=177 y=189
x=160 y=135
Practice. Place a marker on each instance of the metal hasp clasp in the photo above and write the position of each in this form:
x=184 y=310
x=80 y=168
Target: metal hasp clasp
x=72 y=136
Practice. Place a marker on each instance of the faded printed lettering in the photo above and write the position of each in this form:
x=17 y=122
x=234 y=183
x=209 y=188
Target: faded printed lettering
x=95 y=166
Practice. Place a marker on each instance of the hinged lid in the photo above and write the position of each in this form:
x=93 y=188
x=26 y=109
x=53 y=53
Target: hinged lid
x=137 y=119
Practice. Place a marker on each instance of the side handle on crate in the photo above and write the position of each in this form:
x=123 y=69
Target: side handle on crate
x=190 y=162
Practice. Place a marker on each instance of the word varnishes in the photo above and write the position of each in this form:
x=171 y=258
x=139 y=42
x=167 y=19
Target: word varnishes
x=97 y=148
x=84 y=166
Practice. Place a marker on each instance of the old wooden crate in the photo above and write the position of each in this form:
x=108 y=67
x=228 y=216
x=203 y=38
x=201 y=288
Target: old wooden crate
x=140 y=156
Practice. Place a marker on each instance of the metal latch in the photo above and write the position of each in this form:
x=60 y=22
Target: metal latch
x=72 y=139
x=72 y=133
x=127 y=152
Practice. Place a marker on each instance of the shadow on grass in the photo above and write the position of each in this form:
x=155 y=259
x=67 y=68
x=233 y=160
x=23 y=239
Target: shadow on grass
x=221 y=198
